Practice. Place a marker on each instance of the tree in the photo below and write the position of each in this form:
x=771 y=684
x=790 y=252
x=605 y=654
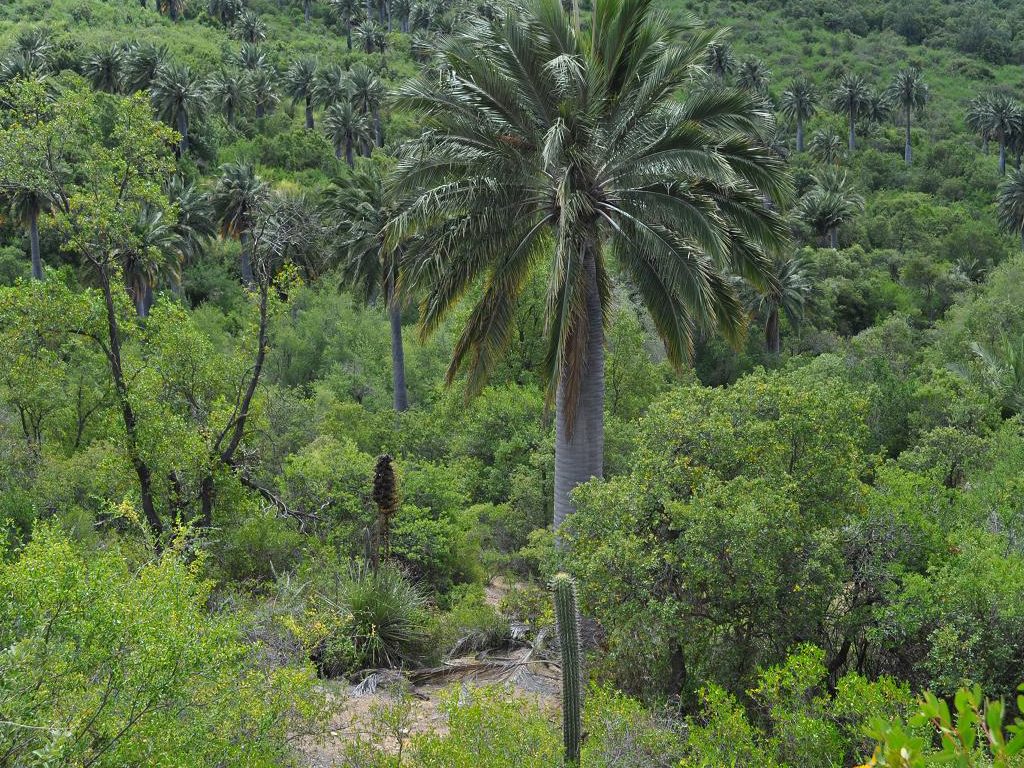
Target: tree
x=225 y=11
x=142 y=62
x=368 y=262
x=250 y=28
x=799 y=103
x=1010 y=204
x=788 y=293
x=264 y=84
x=348 y=12
x=371 y=37
x=300 y=83
x=851 y=97
x=754 y=75
x=179 y=96
x=719 y=60
x=347 y=129
x=236 y=199
x=909 y=92
x=367 y=96
x=149 y=255
x=174 y=9
x=827 y=146
x=978 y=118
x=103 y=69
x=193 y=224
x=333 y=85
x=26 y=206
x=1001 y=118
x=251 y=57
x=585 y=149
x=232 y=92
x=829 y=204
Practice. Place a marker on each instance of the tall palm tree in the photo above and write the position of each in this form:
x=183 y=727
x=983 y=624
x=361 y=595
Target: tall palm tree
x=1010 y=204
x=787 y=295
x=719 y=59
x=333 y=85
x=583 y=149
x=142 y=63
x=232 y=92
x=403 y=10
x=829 y=204
x=151 y=255
x=827 y=146
x=174 y=9
x=264 y=85
x=225 y=11
x=799 y=103
x=26 y=205
x=1003 y=117
x=360 y=207
x=194 y=223
x=753 y=75
x=347 y=129
x=179 y=96
x=978 y=118
x=878 y=108
x=236 y=200
x=300 y=83
x=850 y=98
x=103 y=69
x=371 y=37
x=368 y=95
x=348 y=12
x=909 y=92
x=249 y=27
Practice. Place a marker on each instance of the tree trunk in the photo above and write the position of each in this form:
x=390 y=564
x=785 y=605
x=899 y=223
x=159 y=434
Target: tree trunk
x=378 y=127
x=309 y=113
x=833 y=237
x=397 y=349
x=260 y=110
x=307 y=9
x=183 y=130
x=906 y=149
x=245 y=258
x=799 y=135
x=348 y=34
x=348 y=153
x=33 y=239
x=853 y=134
x=579 y=453
x=772 y=337
x=1002 y=157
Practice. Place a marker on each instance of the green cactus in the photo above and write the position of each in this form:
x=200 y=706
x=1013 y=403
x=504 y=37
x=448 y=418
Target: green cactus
x=568 y=618
x=385 y=495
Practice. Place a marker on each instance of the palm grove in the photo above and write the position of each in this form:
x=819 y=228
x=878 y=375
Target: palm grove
x=583 y=213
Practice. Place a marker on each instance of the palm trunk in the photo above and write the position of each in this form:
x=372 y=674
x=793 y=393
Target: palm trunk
x=260 y=110
x=245 y=260
x=397 y=350
x=579 y=451
x=378 y=127
x=307 y=9
x=1002 y=157
x=833 y=237
x=183 y=130
x=799 y=135
x=33 y=239
x=772 y=336
x=348 y=153
x=853 y=134
x=906 y=149
x=348 y=34
x=309 y=113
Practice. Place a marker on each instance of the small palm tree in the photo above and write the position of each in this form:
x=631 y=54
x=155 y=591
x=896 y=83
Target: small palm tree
x=979 y=118
x=103 y=69
x=371 y=37
x=827 y=147
x=1002 y=367
x=1010 y=204
x=251 y=57
x=347 y=129
x=909 y=92
x=300 y=82
x=799 y=103
x=753 y=75
x=368 y=96
x=18 y=66
x=225 y=11
x=264 y=85
x=586 y=150
x=359 y=205
x=719 y=60
x=35 y=47
x=174 y=9
x=1003 y=118
x=348 y=13
x=829 y=204
x=250 y=28
x=333 y=85
x=26 y=205
x=142 y=63
x=850 y=98
x=179 y=96
x=787 y=295
x=194 y=224
x=236 y=200
x=151 y=255
x=878 y=108
x=232 y=92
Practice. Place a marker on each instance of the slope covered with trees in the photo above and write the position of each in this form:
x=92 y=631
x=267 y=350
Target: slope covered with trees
x=315 y=317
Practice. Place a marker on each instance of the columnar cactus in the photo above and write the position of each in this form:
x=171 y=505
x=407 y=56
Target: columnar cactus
x=568 y=618
x=385 y=496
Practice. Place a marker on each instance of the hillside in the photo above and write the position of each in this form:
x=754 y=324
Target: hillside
x=332 y=333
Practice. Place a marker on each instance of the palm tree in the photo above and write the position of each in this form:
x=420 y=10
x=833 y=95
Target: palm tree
x=142 y=63
x=878 y=108
x=236 y=200
x=584 y=148
x=194 y=223
x=1010 y=204
x=829 y=204
x=174 y=9
x=402 y=9
x=264 y=85
x=367 y=96
x=850 y=98
x=719 y=60
x=232 y=91
x=252 y=58
x=359 y=204
x=150 y=255
x=300 y=82
x=348 y=12
x=347 y=129
x=26 y=205
x=225 y=11
x=827 y=146
x=788 y=293
x=250 y=28
x=18 y=66
x=179 y=96
x=371 y=37
x=103 y=69
x=1003 y=117
x=909 y=92
x=753 y=75
x=1002 y=367
x=333 y=85
x=799 y=103
x=35 y=46
x=979 y=118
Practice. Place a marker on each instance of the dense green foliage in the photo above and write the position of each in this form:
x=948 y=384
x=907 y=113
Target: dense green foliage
x=217 y=232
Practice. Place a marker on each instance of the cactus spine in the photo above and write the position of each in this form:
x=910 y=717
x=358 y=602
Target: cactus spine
x=385 y=496
x=568 y=618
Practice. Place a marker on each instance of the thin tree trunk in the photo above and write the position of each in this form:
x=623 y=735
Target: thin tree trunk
x=245 y=258
x=397 y=349
x=183 y=130
x=833 y=237
x=772 y=336
x=348 y=34
x=1002 y=157
x=799 y=135
x=309 y=113
x=33 y=239
x=260 y=110
x=853 y=134
x=906 y=149
x=307 y=9
x=579 y=453
x=348 y=153
x=378 y=127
